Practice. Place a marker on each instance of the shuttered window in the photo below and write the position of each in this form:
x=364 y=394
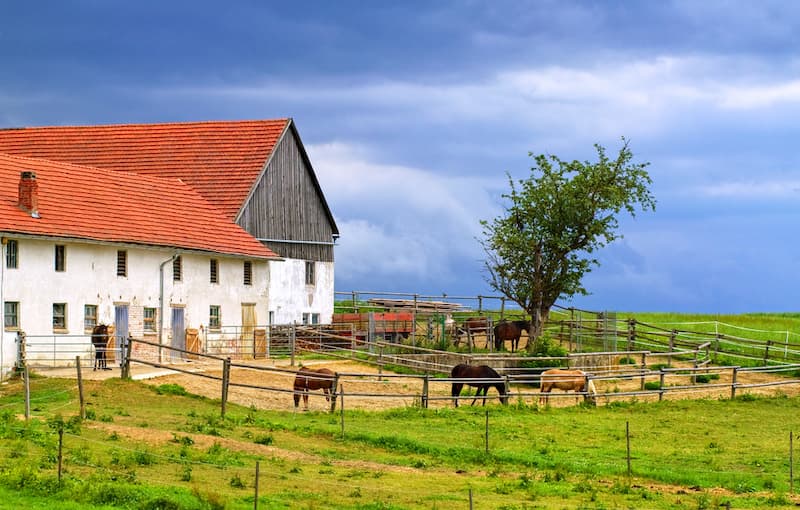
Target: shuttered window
x=122 y=263
x=11 y=254
x=248 y=272
x=310 y=277
x=177 y=269
x=61 y=257
x=214 y=271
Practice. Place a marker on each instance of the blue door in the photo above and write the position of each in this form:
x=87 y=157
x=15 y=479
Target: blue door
x=120 y=332
x=178 y=333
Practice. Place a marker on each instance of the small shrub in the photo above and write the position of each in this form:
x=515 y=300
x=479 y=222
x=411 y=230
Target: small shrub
x=265 y=439
x=186 y=473
x=236 y=482
x=702 y=379
x=652 y=385
x=171 y=389
x=627 y=361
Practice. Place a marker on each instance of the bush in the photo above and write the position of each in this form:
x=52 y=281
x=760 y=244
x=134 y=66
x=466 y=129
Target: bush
x=171 y=389
x=652 y=385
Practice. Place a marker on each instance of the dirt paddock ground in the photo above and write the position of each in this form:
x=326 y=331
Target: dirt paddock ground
x=365 y=387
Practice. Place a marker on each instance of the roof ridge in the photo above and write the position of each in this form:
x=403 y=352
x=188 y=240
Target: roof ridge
x=282 y=120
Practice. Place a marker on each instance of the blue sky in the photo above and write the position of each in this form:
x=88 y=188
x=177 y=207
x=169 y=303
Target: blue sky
x=413 y=114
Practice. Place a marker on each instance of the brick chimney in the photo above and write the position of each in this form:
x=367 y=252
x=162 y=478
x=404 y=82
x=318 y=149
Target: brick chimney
x=29 y=193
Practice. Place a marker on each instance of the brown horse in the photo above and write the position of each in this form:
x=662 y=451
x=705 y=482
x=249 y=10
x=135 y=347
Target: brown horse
x=568 y=380
x=482 y=377
x=510 y=330
x=313 y=379
x=471 y=326
x=100 y=343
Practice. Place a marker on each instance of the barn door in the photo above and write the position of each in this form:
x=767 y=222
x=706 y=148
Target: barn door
x=178 y=332
x=247 y=343
x=117 y=350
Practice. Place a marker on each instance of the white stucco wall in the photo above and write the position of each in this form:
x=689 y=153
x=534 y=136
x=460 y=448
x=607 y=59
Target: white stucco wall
x=290 y=297
x=90 y=278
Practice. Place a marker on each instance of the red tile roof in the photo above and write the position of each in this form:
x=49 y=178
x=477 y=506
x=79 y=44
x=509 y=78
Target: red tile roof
x=119 y=207
x=221 y=160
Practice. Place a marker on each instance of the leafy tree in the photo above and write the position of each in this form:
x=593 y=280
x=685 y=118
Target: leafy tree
x=543 y=245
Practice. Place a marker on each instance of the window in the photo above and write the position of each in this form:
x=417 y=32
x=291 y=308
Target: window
x=213 y=317
x=177 y=269
x=248 y=272
x=310 y=273
x=11 y=312
x=89 y=317
x=213 y=268
x=59 y=316
x=149 y=319
x=305 y=319
x=314 y=318
x=61 y=257
x=122 y=263
x=11 y=254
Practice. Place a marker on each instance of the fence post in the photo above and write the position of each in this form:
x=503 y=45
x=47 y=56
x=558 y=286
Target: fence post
x=333 y=392
x=425 y=392
x=380 y=363
x=60 y=450
x=126 y=365
x=766 y=352
x=628 y=446
x=486 y=440
x=733 y=382
x=631 y=333
x=80 y=387
x=341 y=407
x=661 y=385
x=27 y=376
x=672 y=336
x=255 y=499
x=21 y=362
x=291 y=341
x=226 y=376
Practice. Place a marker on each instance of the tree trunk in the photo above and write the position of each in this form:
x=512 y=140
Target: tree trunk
x=538 y=320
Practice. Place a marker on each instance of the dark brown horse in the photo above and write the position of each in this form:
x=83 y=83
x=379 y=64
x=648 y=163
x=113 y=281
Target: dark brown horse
x=471 y=326
x=100 y=342
x=510 y=330
x=482 y=377
x=313 y=379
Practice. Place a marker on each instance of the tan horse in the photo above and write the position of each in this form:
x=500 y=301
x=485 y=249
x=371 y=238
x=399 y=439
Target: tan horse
x=567 y=380
x=313 y=379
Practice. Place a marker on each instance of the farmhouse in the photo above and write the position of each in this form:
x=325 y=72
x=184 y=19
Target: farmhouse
x=157 y=228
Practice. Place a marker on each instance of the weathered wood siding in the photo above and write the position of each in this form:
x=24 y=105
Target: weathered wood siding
x=286 y=205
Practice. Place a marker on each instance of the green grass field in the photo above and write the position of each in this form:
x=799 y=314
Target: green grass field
x=164 y=449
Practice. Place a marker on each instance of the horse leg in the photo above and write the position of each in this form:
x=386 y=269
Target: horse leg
x=305 y=399
x=455 y=392
x=480 y=389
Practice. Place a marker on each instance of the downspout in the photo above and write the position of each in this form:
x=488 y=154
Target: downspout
x=161 y=305
x=3 y=243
